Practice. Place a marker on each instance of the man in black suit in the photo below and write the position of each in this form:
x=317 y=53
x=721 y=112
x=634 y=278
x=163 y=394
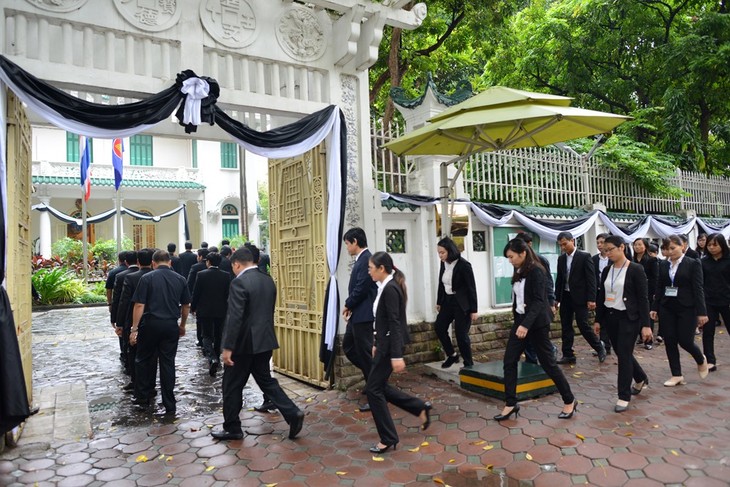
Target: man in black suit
x=575 y=294
x=130 y=259
x=264 y=262
x=600 y=262
x=358 y=310
x=192 y=275
x=225 y=264
x=124 y=313
x=187 y=260
x=248 y=341
x=122 y=266
x=688 y=251
x=209 y=304
x=174 y=259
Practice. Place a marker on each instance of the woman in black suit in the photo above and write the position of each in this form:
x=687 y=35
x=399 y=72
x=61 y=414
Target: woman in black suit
x=622 y=309
x=651 y=267
x=716 y=272
x=532 y=322
x=456 y=301
x=391 y=337
x=679 y=304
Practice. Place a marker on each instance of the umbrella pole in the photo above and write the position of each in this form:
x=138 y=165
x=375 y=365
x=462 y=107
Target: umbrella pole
x=447 y=187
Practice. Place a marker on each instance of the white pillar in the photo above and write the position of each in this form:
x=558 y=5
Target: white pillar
x=45 y=229
x=181 y=226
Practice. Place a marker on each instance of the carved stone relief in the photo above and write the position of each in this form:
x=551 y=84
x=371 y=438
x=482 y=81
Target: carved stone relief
x=354 y=188
x=150 y=15
x=300 y=34
x=230 y=22
x=58 y=5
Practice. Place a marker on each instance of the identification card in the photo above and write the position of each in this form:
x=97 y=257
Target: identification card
x=671 y=292
x=610 y=297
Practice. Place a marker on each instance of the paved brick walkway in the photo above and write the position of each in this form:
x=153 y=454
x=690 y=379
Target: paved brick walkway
x=670 y=436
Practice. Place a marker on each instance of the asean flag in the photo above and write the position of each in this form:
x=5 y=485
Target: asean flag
x=85 y=149
x=117 y=149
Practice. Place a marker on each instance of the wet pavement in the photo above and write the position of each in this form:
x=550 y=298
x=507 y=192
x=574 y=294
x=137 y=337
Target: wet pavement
x=669 y=436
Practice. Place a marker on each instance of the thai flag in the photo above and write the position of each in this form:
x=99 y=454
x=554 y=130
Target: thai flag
x=85 y=149
x=117 y=149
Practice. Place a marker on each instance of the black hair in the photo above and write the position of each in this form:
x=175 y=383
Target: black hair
x=720 y=240
x=161 y=256
x=131 y=257
x=225 y=241
x=646 y=243
x=171 y=247
x=188 y=245
x=652 y=248
x=526 y=237
x=255 y=252
x=203 y=252
x=452 y=251
x=519 y=246
x=616 y=241
x=144 y=257
x=214 y=258
x=675 y=239
x=684 y=237
x=701 y=250
x=384 y=259
x=242 y=255
x=203 y=244
x=565 y=235
x=213 y=248
x=226 y=251
x=122 y=256
x=604 y=236
x=356 y=235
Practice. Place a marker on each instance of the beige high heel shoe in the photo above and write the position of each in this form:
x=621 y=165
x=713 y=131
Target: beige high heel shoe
x=675 y=381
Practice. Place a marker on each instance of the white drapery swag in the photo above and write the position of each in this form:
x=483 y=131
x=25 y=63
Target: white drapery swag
x=104 y=215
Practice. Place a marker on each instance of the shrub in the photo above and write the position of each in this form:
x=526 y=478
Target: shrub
x=58 y=285
x=68 y=249
x=238 y=241
x=88 y=298
x=107 y=249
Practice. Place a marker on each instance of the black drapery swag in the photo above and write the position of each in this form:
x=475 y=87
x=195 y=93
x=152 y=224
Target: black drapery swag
x=14 y=407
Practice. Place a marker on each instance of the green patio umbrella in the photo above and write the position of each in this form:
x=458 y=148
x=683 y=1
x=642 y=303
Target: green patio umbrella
x=500 y=118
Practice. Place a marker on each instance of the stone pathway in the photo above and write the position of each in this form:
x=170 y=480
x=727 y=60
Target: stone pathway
x=670 y=436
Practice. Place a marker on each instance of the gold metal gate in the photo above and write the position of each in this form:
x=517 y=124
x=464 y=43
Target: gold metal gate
x=298 y=222
x=18 y=244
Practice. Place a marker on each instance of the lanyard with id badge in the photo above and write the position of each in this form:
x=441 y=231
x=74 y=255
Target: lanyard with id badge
x=611 y=295
x=671 y=291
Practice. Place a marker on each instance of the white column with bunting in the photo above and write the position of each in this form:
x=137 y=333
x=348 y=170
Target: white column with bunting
x=45 y=229
x=181 y=225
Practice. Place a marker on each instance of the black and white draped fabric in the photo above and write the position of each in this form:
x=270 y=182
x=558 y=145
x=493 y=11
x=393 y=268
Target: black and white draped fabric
x=196 y=98
x=496 y=216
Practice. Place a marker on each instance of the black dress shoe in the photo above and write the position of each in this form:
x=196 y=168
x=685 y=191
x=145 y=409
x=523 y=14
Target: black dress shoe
x=639 y=386
x=602 y=354
x=213 y=368
x=296 y=425
x=515 y=410
x=376 y=449
x=713 y=368
x=225 y=435
x=129 y=388
x=450 y=360
x=566 y=360
x=427 y=409
x=265 y=407
x=141 y=402
x=364 y=408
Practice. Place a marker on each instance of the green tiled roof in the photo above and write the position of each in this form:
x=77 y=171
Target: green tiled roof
x=546 y=212
x=133 y=183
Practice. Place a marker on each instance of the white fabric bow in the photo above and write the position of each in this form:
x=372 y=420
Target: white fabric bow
x=196 y=89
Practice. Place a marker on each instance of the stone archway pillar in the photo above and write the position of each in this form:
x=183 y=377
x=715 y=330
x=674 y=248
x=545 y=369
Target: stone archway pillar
x=45 y=229
x=181 y=225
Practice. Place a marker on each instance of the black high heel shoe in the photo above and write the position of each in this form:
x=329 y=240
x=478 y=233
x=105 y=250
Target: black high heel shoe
x=564 y=415
x=427 y=409
x=515 y=410
x=378 y=450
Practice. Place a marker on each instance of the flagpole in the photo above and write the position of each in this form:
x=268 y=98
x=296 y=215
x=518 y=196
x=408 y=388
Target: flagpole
x=119 y=222
x=84 y=236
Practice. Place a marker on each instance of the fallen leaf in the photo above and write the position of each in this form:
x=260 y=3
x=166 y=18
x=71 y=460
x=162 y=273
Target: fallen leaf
x=271 y=485
x=209 y=468
x=169 y=475
x=161 y=457
x=194 y=430
x=488 y=447
x=378 y=459
x=324 y=401
x=414 y=450
x=580 y=437
x=309 y=399
x=490 y=467
x=425 y=443
x=210 y=426
x=528 y=456
x=439 y=481
x=341 y=473
x=629 y=434
x=477 y=443
x=674 y=453
x=142 y=458
x=168 y=458
x=656 y=426
x=452 y=460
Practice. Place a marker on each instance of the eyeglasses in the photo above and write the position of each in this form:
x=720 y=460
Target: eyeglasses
x=609 y=249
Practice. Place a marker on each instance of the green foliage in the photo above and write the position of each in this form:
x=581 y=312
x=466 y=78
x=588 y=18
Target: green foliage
x=262 y=212
x=90 y=298
x=68 y=249
x=107 y=249
x=98 y=288
x=238 y=241
x=58 y=285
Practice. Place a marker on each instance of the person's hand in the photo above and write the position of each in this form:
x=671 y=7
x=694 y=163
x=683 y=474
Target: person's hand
x=701 y=320
x=226 y=356
x=474 y=317
x=438 y=308
x=591 y=305
x=554 y=309
x=597 y=328
x=181 y=330
x=521 y=332
x=653 y=315
x=398 y=364
x=373 y=350
x=346 y=313
x=646 y=334
x=118 y=330
x=133 y=338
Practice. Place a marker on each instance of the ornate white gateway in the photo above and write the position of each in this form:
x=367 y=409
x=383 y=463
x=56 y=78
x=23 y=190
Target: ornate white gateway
x=274 y=60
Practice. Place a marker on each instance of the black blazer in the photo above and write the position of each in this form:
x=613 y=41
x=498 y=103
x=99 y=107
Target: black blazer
x=227 y=266
x=249 y=325
x=210 y=296
x=124 y=313
x=463 y=285
x=582 y=279
x=689 y=281
x=651 y=269
x=175 y=263
x=187 y=260
x=635 y=296
x=550 y=283
x=361 y=291
x=117 y=290
x=193 y=274
x=537 y=308
x=692 y=253
x=391 y=325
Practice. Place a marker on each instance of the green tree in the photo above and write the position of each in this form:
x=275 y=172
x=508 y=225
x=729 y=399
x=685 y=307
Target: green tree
x=262 y=211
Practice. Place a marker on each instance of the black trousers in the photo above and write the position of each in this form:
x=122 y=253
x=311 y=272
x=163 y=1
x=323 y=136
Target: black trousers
x=451 y=311
x=358 y=346
x=540 y=339
x=623 y=333
x=568 y=311
x=157 y=340
x=678 y=324
x=380 y=393
x=708 y=331
x=235 y=378
x=212 y=331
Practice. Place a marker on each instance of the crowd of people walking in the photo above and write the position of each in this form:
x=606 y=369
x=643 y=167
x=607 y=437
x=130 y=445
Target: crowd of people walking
x=686 y=291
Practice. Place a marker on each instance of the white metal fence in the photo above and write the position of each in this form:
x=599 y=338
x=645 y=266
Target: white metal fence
x=547 y=176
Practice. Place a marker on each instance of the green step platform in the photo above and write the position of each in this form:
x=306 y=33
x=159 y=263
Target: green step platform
x=488 y=379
